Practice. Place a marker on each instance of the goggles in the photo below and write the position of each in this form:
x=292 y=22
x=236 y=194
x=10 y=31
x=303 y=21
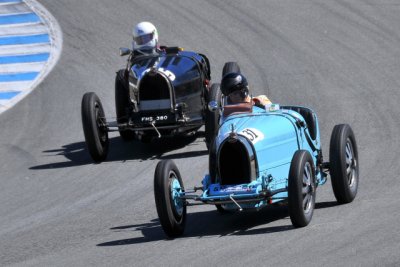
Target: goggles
x=143 y=39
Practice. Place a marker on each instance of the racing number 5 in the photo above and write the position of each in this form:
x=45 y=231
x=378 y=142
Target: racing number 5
x=169 y=73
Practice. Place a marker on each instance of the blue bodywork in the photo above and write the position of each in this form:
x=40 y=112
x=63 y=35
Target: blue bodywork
x=271 y=137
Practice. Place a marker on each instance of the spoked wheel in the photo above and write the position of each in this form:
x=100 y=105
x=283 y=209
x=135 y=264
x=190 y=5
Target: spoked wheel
x=94 y=126
x=122 y=104
x=230 y=67
x=212 y=170
x=212 y=117
x=171 y=208
x=146 y=138
x=301 y=189
x=344 y=167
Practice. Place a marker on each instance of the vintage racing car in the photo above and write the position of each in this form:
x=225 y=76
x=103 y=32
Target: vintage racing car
x=262 y=156
x=156 y=95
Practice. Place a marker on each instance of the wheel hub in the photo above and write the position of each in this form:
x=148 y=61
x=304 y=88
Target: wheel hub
x=177 y=202
x=307 y=189
x=351 y=164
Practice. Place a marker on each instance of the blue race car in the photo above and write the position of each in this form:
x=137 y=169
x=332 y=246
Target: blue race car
x=262 y=156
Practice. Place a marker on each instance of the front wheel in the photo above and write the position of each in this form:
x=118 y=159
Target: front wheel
x=344 y=170
x=171 y=208
x=122 y=104
x=94 y=126
x=301 y=189
x=230 y=67
x=212 y=117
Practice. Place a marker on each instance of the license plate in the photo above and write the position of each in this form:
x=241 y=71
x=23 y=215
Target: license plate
x=218 y=190
x=236 y=188
x=154 y=118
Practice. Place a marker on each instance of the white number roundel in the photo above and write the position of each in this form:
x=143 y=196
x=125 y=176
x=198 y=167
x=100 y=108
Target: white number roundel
x=168 y=73
x=252 y=134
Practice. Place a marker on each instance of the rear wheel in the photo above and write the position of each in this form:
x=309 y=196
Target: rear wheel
x=230 y=67
x=94 y=126
x=122 y=104
x=212 y=117
x=212 y=170
x=344 y=170
x=170 y=208
x=146 y=138
x=301 y=189
x=220 y=209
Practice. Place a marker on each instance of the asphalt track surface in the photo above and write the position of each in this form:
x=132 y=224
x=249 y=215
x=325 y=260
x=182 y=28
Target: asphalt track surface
x=342 y=58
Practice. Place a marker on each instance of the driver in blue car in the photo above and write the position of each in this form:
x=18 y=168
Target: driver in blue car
x=235 y=87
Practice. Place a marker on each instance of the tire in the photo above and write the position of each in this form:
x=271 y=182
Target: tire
x=212 y=170
x=301 y=189
x=344 y=166
x=146 y=138
x=172 y=212
x=212 y=163
x=212 y=117
x=230 y=67
x=220 y=209
x=94 y=126
x=122 y=104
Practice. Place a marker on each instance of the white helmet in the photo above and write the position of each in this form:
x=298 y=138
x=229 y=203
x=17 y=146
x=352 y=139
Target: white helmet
x=145 y=37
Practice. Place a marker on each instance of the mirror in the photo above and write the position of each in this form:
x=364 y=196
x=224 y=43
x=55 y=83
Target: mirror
x=124 y=51
x=212 y=106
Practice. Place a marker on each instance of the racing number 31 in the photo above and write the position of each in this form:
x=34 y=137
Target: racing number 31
x=252 y=134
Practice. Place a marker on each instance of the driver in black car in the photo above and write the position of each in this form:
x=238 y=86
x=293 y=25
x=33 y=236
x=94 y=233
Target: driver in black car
x=145 y=39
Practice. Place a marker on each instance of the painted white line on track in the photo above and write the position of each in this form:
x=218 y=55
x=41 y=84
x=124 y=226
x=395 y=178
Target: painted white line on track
x=17 y=8
x=9 y=3
x=16 y=86
x=23 y=29
x=3 y=13
x=7 y=50
x=5 y=26
x=24 y=67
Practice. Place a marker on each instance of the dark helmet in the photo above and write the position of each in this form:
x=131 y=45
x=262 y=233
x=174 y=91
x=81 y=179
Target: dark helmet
x=232 y=82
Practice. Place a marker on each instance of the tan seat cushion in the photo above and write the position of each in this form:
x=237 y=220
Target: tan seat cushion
x=239 y=108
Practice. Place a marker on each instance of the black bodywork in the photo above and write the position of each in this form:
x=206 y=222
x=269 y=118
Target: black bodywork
x=167 y=94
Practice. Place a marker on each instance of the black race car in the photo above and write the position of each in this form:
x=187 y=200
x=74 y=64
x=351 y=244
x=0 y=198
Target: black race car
x=162 y=94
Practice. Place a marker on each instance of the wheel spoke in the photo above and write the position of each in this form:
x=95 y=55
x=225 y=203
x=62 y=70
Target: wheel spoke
x=306 y=200
x=308 y=173
x=306 y=176
x=350 y=177
x=349 y=159
x=305 y=190
x=307 y=187
x=347 y=151
x=348 y=169
x=305 y=180
x=175 y=189
x=351 y=163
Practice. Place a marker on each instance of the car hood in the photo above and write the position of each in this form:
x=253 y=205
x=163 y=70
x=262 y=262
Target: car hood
x=179 y=68
x=273 y=135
